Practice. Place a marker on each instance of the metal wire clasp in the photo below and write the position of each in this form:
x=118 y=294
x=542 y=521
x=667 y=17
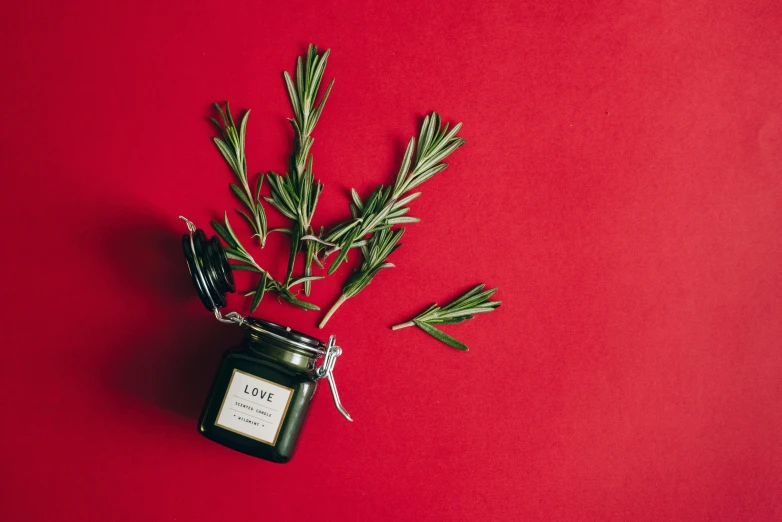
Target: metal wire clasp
x=326 y=369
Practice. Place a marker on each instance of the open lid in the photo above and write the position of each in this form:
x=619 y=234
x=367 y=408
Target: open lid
x=208 y=267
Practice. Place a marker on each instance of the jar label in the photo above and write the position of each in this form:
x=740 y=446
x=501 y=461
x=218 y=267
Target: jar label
x=254 y=407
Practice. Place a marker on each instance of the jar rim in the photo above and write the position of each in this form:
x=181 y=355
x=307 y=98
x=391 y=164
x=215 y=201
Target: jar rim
x=283 y=333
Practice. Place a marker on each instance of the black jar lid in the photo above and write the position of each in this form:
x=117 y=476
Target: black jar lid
x=284 y=333
x=209 y=268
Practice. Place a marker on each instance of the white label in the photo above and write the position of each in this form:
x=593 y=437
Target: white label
x=254 y=407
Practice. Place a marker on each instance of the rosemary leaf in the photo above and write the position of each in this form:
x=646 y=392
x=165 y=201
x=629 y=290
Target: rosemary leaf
x=292 y=299
x=245 y=216
x=239 y=266
x=441 y=336
x=224 y=235
x=301 y=280
x=259 y=293
x=295 y=235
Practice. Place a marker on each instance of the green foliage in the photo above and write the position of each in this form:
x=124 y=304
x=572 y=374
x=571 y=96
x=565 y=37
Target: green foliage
x=463 y=308
x=387 y=206
x=376 y=251
x=244 y=261
x=231 y=144
x=296 y=194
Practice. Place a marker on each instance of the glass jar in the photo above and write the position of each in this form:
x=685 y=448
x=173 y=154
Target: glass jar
x=263 y=388
x=262 y=392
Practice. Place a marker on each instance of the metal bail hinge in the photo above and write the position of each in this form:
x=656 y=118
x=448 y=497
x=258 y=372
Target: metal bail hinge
x=229 y=318
x=326 y=369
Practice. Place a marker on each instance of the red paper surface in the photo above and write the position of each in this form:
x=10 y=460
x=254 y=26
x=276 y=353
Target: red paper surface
x=620 y=185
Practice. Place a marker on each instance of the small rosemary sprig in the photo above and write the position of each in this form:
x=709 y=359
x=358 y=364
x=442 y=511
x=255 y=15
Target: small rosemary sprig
x=244 y=261
x=231 y=146
x=376 y=250
x=475 y=301
x=386 y=205
x=295 y=195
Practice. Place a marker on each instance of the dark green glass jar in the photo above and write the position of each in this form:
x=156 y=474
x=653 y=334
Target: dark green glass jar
x=262 y=391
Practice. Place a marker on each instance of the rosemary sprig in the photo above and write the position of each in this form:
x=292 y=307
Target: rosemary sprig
x=231 y=146
x=295 y=195
x=244 y=261
x=475 y=301
x=386 y=206
x=376 y=250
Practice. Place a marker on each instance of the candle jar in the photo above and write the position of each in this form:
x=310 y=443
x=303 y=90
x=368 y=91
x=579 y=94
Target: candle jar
x=263 y=388
x=262 y=392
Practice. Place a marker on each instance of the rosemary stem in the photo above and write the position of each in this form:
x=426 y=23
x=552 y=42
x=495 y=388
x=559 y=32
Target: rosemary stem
x=402 y=325
x=331 y=311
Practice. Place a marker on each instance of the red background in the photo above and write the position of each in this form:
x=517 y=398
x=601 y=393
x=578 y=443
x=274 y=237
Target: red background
x=620 y=185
